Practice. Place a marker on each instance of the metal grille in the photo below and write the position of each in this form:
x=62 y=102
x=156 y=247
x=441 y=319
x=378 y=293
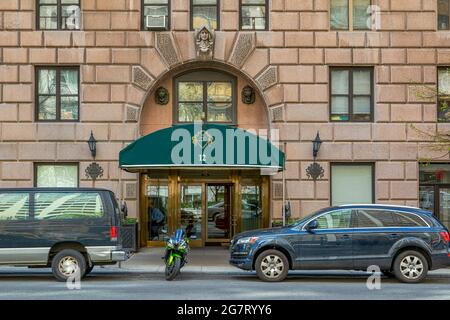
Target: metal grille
x=129 y=237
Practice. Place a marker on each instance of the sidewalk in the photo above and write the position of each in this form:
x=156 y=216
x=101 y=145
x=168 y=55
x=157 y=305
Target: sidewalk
x=200 y=260
x=214 y=260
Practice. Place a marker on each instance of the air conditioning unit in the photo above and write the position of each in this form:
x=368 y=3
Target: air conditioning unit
x=155 y=21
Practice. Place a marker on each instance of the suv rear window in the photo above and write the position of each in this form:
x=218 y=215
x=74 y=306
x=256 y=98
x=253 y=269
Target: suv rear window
x=67 y=205
x=404 y=219
x=14 y=206
x=367 y=218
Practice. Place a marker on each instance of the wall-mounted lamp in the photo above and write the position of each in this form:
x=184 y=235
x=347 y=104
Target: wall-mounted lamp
x=317 y=142
x=94 y=170
x=92 y=145
x=315 y=170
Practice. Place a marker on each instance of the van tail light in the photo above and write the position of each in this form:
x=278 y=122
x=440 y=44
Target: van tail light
x=113 y=233
x=445 y=236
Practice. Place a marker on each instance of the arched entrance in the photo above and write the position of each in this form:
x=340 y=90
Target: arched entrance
x=212 y=200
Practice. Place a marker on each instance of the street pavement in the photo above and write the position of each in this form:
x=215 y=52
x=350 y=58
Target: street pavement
x=208 y=276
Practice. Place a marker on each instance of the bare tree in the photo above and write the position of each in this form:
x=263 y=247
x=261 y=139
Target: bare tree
x=439 y=140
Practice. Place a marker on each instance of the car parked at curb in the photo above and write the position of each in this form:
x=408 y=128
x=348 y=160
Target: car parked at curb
x=61 y=228
x=404 y=242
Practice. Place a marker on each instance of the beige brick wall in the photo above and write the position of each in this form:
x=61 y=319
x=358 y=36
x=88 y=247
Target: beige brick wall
x=405 y=53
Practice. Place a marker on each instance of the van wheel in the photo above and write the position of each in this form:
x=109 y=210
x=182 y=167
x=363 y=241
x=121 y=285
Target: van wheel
x=410 y=267
x=66 y=263
x=272 y=266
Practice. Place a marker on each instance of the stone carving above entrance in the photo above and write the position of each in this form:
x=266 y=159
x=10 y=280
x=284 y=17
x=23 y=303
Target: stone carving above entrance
x=166 y=48
x=141 y=78
x=244 y=46
x=268 y=78
x=132 y=113
x=204 y=43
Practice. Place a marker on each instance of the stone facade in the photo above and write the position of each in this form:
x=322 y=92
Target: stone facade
x=120 y=65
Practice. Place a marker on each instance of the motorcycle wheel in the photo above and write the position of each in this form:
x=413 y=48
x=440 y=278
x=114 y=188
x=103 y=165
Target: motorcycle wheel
x=172 y=271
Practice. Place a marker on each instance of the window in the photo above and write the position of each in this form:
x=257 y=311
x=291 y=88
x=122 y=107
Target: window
x=56 y=175
x=67 y=205
x=205 y=13
x=335 y=220
x=375 y=219
x=352 y=184
x=207 y=96
x=403 y=219
x=158 y=211
x=156 y=14
x=443 y=14
x=57 y=90
x=14 y=206
x=350 y=15
x=254 y=14
x=351 y=94
x=443 y=94
x=58 y=14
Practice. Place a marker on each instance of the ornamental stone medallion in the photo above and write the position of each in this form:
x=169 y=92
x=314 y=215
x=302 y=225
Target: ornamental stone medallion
x=204 y=43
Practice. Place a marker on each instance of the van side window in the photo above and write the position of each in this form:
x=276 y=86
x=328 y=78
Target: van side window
x=14 y=206
x=67 y=205
x=404 y=219
x=339 y=219
x=375 y=219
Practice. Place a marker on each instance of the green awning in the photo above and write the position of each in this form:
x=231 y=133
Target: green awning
x=201 y=145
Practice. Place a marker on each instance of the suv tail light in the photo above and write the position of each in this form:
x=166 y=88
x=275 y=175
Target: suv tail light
x=113 y=233
x=445 y=236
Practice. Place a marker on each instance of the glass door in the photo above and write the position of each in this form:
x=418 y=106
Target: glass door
x=439 y=205
x=444 y=206
x=219 y=212
x=191 y=212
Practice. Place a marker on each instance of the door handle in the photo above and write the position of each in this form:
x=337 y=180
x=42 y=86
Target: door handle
x=394 y=236
x=345 y=236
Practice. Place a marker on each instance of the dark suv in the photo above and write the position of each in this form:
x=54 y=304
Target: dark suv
x=404 y=242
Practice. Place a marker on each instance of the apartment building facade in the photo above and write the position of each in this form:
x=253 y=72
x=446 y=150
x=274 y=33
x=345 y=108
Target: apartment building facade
x=360 y=75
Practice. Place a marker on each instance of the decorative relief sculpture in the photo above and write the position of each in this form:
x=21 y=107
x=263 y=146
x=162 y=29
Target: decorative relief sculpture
x=248 y=95
x=204 y=42
x=162 y=96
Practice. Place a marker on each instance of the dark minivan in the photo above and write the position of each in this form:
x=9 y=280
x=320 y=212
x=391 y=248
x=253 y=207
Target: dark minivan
x=61 y=228
x=404 y=242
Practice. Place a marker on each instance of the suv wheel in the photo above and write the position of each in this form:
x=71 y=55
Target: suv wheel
x=66 y=262
x=272 y=266
x=410 y=267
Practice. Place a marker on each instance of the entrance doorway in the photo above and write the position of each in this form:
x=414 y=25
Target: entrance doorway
x=434 y=192
x=218 y=227
x=211 y=209
x=436 y=198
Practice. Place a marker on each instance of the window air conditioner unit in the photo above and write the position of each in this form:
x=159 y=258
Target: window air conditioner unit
x=155 y=21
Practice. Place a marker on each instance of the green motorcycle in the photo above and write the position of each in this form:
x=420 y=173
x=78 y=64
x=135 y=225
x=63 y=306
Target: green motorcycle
x=177 y=248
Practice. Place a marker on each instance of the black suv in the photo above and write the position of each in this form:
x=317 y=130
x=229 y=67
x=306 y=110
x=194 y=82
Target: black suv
x=404 y=242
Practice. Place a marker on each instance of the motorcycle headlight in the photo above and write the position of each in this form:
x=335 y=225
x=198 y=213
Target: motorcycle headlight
x=247 y=240
x=170 y=244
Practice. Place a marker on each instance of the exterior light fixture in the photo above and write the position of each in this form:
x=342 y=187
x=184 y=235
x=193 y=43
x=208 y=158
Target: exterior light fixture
x=317 y=142
x=94 y=170
x=315 y=170
x=92 y=145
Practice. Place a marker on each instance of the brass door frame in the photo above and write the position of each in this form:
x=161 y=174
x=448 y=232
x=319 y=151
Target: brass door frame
x=197 y=242
x=231 y=204
x=144 y=233
x=174 y=182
